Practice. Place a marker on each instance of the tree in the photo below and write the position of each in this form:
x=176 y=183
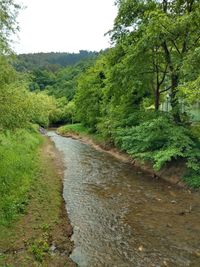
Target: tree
x=70 y=111
x=123 y=91
x=41 y=79
x=89 y=94
x=167 y=31
x=8 y=24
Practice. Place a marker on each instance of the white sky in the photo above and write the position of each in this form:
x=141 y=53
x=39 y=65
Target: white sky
x=64 y=25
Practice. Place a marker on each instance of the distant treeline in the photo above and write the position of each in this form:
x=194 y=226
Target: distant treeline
x=51 y=61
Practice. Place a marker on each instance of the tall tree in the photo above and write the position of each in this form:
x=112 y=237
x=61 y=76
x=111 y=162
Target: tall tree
x=89 y=94
x=8 y=24
x=167 y=31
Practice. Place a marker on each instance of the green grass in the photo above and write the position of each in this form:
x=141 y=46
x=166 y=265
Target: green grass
x=18 y=151
x=44 y=220
x=80 y=129
x=77 y=128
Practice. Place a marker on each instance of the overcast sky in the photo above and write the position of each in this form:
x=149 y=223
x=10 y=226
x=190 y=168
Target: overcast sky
x=64 y=25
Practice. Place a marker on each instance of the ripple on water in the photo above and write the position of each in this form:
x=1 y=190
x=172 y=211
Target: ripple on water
x=122 y=217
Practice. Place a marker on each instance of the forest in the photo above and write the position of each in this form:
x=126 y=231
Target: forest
x=115 y=94
x=50 y=61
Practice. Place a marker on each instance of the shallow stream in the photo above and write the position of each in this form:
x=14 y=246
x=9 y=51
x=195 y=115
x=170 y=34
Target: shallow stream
x=123 y=217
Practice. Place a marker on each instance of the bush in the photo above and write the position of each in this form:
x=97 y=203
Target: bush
x=160 y=140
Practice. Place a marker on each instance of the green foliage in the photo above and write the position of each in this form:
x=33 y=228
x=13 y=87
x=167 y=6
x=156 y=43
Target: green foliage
x=190 y=91
x=39 y=249
x=161 y=41
x=65 y=82
x=195 y=128
x=70 y=111
x=60 y=84
x=51 y=61
x=160 y=141
x=156 y=48
x=156 y=55
x=192 y=178
x=89 y=94
x=18 y=106
x=41 y=79
x=17 y=170
x=42 y=109
x=8 y=24
x=12 y=97
x=77 y=128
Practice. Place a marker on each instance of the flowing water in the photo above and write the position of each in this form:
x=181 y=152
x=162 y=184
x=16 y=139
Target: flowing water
x=124 y=218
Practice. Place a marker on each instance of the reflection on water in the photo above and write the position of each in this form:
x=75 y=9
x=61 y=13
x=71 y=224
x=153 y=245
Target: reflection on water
x=122 y=217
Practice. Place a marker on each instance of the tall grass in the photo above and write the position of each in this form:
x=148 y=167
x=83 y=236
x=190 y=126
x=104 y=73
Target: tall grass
x=18 y=151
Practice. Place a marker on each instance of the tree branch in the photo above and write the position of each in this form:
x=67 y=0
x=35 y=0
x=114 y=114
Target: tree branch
x=177 y=49
x=166 y=89
x=164 y=75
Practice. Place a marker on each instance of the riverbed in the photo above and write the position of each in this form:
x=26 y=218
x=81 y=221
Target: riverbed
x=123 y=217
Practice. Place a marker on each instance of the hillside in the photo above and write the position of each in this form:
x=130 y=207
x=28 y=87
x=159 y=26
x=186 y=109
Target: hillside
x=51 y=61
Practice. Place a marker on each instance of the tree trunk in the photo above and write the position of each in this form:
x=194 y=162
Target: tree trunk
x=174 y=99
x=157 y=99
x=174 y=85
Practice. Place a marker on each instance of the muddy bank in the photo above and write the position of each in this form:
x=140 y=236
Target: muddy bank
x=171 y=173
x=41 y=237
x=61 y=244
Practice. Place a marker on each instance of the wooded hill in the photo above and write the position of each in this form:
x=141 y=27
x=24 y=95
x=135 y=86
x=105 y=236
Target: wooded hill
x=51 y=61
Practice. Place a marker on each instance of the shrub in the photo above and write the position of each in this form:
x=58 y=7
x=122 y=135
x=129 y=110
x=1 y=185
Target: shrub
x=160 y=140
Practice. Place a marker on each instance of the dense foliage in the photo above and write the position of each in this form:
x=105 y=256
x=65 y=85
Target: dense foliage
x=8 y=24
x=18 y=140
x=155 y=61
x=55 y=75
x=51 y=61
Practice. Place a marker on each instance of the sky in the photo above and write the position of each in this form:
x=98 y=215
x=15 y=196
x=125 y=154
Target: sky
x=64 y=25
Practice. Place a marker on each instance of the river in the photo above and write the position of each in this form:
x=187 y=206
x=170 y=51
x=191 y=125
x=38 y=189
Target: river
x=122 y=217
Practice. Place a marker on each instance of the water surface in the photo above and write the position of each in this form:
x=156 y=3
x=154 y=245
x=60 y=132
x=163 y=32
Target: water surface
x=125 y=218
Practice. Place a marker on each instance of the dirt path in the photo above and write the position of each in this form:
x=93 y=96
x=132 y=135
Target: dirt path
x=41 y=237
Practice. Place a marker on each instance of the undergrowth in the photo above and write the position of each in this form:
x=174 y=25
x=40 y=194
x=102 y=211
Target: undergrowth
x=18 y=151
x=159 y=141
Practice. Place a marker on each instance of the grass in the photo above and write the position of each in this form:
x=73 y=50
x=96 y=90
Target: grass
x=17 y=167
x=77 y=128
x=80 y=130
x=27 y=241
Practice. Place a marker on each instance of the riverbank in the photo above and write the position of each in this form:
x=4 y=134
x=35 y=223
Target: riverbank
x=119 y=205
x=171 y=173
x=41 y=236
